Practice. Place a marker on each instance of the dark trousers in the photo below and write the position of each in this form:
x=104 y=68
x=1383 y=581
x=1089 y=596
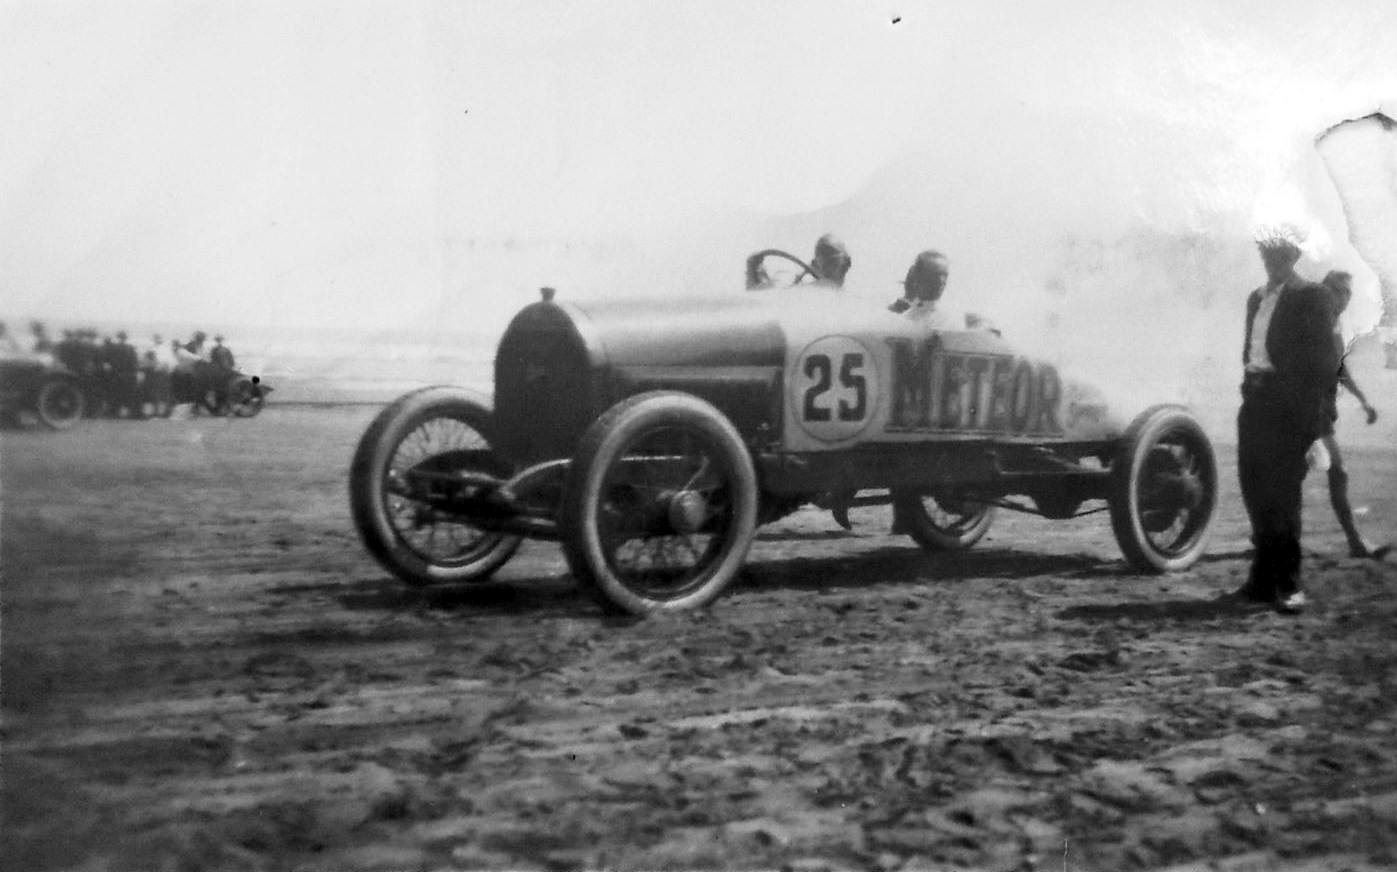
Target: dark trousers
x=1271 y=444
x=129 y=384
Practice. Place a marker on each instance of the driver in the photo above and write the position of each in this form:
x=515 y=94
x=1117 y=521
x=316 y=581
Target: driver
x=831 y=262
x=830 y=265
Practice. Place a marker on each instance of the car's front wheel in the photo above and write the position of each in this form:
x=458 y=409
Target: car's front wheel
x=1163 y=490
x=59 y=404
x=660 y=505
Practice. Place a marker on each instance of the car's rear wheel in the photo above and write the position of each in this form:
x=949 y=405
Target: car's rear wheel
x=1163 y=490
x=59 y=404
x=661 y=504
x=940 y=523
x=404 y=462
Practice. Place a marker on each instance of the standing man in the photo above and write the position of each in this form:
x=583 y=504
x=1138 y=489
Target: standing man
x=159 y=365
x=86 y=354
x=1340 y=284
x=221 y=355
x=107 y=379
x=42 y=343
x=192 y=376
x=65 y=350
x=125 y=374
x=1290 y=363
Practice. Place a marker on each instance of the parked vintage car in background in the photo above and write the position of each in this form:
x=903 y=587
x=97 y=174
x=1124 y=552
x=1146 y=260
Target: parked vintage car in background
x=37 y=386
x=652 y=437
x=217 y=391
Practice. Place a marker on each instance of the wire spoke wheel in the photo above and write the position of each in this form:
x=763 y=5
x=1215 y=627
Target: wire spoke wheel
x=941 y=522
x=59 y=403
x=436 y=536
x=666 y=510
x=661 y=504
x=408 y=463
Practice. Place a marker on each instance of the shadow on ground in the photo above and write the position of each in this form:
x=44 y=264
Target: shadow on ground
x=1177 y=610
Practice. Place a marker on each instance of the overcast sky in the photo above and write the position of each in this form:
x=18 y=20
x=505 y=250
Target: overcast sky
x=398 y=164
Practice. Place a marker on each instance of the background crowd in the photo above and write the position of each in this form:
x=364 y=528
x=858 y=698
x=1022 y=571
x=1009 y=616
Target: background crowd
x=120 y=379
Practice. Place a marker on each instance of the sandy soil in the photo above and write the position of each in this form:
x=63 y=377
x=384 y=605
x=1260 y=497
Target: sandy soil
x=202 y=669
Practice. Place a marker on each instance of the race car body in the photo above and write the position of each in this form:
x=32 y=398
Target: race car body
x=804 y=369
x=652 y=436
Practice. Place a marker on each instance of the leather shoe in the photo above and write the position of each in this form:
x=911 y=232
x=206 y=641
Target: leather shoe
x=1293 y=604
x=1244 y=598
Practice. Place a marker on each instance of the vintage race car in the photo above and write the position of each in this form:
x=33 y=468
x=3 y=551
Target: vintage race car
x=652 y=437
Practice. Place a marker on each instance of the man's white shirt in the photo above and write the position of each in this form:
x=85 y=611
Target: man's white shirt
x=1261 y=360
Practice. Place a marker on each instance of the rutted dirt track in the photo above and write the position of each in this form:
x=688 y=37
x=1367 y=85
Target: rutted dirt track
x=202 y=669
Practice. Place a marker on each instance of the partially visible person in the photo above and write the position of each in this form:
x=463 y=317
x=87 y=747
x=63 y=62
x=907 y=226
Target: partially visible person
x=922 y=290
x=221 y=367
x=85 y=353
x=829 y=266
x=1289 y=364
x=40 y=344
x=108 y=381
x=89 y=367
x=181 y=372
x=195 y=345
x=221 y=355
x=125 y=378
x=757 y=276
x=831 y=262
x=1340 y=285
x=9 y=345
x=65 y=350
x=192 y=369
x=158 y=362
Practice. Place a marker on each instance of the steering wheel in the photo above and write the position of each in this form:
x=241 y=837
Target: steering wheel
x=805 y=268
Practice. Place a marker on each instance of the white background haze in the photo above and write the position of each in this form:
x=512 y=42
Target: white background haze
x=422 y=168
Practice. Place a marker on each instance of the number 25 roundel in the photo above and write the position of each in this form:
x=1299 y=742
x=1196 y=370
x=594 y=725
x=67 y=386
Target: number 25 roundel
x=834 y=388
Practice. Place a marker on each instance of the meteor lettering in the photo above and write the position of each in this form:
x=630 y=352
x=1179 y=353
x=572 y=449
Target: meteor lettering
x=939 y=391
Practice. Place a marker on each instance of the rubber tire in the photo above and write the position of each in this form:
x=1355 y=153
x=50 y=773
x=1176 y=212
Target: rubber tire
x=606 y=440
x=912 y=516
x=1124 y=485
x=49 y=393
x=370 y=465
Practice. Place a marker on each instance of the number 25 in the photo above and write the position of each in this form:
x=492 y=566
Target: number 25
x=821 y=369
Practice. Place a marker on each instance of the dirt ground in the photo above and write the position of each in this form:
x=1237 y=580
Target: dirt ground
x=202 y=669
